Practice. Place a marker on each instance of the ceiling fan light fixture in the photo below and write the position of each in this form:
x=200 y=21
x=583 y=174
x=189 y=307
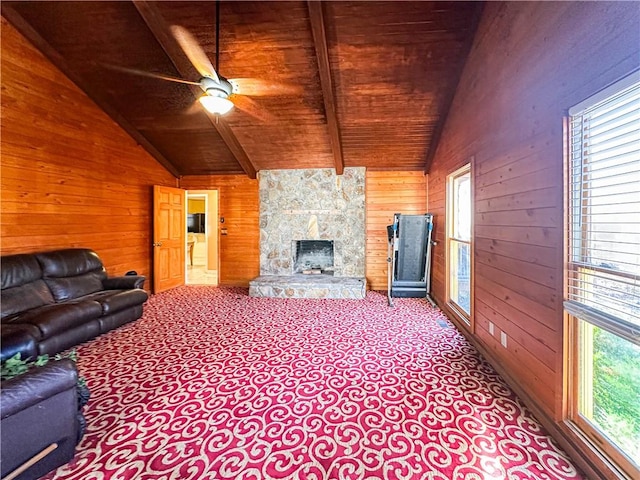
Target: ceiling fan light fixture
x=216 y=104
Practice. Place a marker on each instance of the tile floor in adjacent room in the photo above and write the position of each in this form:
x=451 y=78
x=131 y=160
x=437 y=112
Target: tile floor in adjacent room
x=199 y=275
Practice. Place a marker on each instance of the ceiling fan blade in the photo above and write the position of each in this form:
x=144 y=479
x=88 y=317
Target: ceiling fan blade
x=256 y=87
x=251 y=108
x=194 y=52
x=142 y=73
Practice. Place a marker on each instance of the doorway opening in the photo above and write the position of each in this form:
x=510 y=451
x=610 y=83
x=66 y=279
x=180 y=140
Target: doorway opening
x=201 y=260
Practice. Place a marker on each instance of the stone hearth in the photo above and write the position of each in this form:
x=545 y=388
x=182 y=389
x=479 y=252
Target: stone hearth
x=308 y=286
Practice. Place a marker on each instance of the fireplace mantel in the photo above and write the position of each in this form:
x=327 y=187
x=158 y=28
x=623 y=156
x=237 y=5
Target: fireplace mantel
x=311 y=212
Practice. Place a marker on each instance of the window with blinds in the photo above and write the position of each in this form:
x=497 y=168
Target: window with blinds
x=603 y=271
x=604 y=211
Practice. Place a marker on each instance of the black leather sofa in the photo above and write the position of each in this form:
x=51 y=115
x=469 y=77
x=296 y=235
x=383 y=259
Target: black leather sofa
x=39 y=412
x=51 y=301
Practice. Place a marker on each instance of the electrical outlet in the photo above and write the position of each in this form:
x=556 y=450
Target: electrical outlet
x=503 y=339
x=491 y=329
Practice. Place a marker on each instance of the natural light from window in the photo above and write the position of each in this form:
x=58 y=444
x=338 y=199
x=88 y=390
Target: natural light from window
x=459 y=239
x=603 y=270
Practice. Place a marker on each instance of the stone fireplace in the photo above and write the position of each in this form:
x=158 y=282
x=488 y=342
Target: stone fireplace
x=312 y=234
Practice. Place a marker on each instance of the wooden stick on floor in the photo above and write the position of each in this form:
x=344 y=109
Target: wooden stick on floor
x=32 y=461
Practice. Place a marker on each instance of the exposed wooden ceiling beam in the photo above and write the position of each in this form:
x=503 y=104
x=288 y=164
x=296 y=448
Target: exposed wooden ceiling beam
x=322 y=52
x=159 y=28
x=48 y=51
x=234 y=145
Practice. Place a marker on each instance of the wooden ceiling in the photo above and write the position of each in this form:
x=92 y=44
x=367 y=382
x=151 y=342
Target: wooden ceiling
x=321 y=85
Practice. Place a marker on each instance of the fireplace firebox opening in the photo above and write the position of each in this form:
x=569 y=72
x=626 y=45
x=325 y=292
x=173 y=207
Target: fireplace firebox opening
x=313 y=257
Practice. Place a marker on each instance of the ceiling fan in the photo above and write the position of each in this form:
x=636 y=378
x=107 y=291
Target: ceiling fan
x=220 y=94
x=217 y=89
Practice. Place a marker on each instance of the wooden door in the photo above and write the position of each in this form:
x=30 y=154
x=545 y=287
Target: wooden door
x=169 y=238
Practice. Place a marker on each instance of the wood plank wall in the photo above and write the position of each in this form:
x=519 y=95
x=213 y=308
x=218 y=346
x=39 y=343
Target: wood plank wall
x=239 y=205
x=530 y=62
x=70 y=176
x=388 y=193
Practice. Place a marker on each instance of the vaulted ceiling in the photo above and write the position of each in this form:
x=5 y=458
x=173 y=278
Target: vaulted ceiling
x=319 y=84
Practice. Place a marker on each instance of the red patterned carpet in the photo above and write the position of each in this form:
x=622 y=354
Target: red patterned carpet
x=213 y=384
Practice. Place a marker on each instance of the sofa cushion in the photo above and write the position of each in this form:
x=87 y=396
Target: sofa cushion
x=19 y=269
x=58 y=317
x=69 y=338
x=72 y=273
x=69 y=262
x=71 y=288
x=115 y=300
x=22 y=285
x=19 y=299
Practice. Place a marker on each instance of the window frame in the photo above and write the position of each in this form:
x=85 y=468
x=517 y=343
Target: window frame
x=595 y=437
x=576 y=315
x=457 y=310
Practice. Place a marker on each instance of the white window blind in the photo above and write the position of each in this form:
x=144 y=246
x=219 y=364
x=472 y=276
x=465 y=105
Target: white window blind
x=604 y=210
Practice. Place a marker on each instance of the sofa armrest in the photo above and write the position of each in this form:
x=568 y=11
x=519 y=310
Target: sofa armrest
x=30 y=388
x=124 y=283
x=17 y=339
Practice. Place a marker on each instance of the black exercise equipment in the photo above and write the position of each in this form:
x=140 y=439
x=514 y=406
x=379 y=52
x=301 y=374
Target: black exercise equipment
x=409 y=256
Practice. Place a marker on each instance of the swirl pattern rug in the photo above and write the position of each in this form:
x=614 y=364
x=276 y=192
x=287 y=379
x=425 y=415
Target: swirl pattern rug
x=213 y=384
